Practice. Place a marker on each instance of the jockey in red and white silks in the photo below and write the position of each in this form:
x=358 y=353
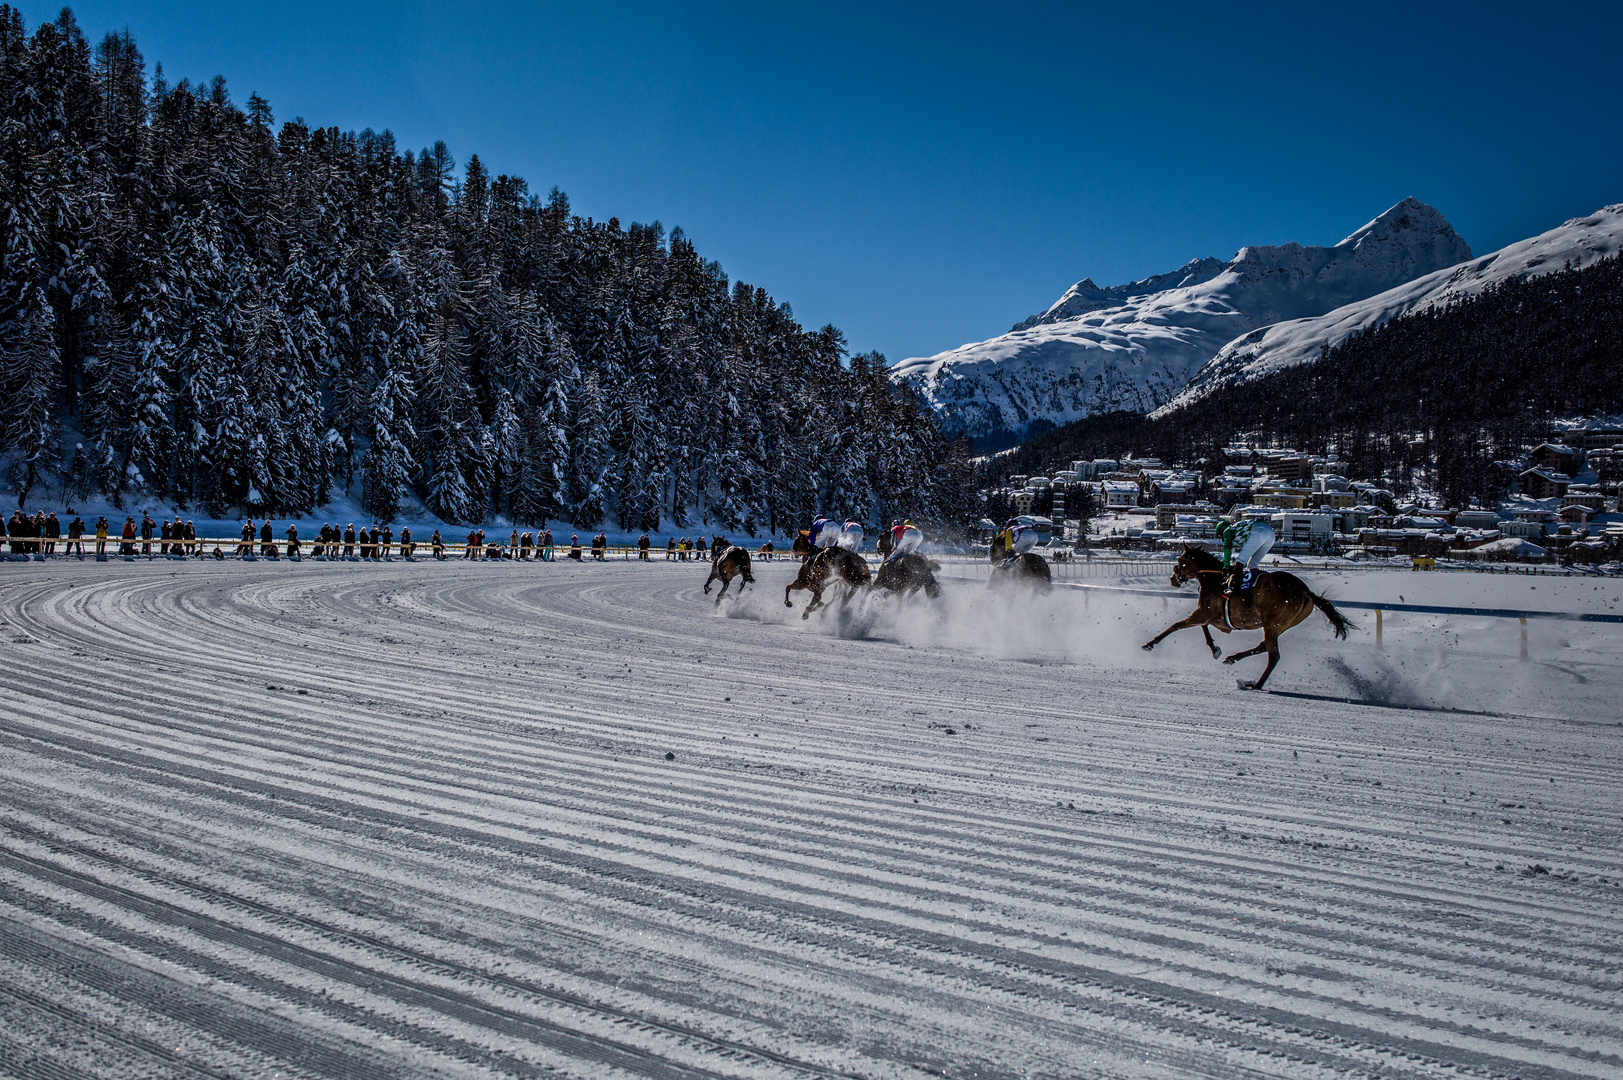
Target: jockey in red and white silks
x=904 y=538
x=851 y=536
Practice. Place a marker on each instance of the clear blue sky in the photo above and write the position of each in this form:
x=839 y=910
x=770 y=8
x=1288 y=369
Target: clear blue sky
x=925 y=176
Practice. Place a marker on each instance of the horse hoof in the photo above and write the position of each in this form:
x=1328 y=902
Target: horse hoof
x=1217 y=654
x=1228 y=659
x=1148 y=645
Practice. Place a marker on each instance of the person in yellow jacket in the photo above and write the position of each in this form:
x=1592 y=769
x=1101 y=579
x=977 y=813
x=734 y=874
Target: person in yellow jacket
x=101 y=538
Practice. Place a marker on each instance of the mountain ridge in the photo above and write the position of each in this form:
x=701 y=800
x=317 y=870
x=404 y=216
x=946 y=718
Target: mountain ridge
x=1135 y=346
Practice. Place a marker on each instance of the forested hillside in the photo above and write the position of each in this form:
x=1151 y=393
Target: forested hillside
x=1476 y=382
x=241 y=314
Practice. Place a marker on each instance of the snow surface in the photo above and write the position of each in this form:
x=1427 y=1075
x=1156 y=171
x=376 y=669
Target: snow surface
x=1576 y=243
x=1135 y=346
x=419 y=820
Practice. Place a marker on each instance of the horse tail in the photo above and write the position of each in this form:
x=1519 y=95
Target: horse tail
x=1338 y=622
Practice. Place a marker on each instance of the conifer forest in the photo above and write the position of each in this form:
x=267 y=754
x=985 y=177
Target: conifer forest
x=234 y=314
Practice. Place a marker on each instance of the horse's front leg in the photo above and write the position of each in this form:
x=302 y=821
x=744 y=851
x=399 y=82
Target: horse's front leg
x=1261 y=647
x=1196 y=619
x=710 y=579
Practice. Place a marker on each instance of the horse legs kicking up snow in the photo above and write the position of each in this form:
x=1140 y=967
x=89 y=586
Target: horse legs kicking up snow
x=728 y=561
x=845 y=567
x=1276 y=603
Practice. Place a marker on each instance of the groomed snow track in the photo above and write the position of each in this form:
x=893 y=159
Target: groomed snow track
x=418 y=820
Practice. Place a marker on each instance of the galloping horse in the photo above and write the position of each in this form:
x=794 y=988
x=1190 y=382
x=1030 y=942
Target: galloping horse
x=727 y=561
x=849 y=568
x=1277 y=602
x=1028 y=569
x=908 y=574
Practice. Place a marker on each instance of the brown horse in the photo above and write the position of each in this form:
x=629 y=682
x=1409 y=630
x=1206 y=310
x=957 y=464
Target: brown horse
x=846 y=567
x=802 y=545
x=908 y=574
x=1276 y=603
x=1030 y=569
x=727 y=561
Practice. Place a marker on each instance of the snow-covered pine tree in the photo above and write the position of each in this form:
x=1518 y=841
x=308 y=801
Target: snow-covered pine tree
x=29 y=432
x=388 y=463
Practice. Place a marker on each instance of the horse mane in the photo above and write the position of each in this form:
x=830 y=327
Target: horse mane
x=1205 y=561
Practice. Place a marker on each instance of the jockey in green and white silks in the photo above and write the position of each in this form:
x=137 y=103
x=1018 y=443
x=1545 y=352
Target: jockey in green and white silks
x=1245 y=542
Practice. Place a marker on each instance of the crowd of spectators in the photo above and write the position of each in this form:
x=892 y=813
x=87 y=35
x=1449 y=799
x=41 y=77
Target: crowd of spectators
x=41 y=533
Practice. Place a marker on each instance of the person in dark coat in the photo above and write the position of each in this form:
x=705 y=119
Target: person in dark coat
x=292 y=540
x=76 y=532
x=407 y=548
x=349 y=540
x=437 y=544
x=53 y=532
x=642 y=547
x=267 y=540
x=388 y=541
x=191 y=539
x=148 y=526
x=246 y=546
x=164 y=533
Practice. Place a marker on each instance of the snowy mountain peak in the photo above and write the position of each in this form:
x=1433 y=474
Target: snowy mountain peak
x=1134 y=346
x=1576 y=243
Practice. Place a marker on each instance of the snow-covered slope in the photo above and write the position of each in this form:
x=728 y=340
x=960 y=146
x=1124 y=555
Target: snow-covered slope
x=1134 y=346
x=1577 y=243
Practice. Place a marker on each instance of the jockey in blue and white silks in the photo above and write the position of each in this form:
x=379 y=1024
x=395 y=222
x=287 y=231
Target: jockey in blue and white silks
x=851 y=536
x=1245 y=542
x=824 y=533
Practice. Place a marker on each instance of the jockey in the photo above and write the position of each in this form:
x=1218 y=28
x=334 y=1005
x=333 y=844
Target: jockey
x=1247 y=540
x=1017 y=540
x=903 y=539
x=824 y=533
x=851 y=536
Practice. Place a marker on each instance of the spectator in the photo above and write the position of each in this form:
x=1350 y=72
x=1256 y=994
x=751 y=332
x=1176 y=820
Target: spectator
x=76 y=532
x=349 y=540
x=53 y=532
x=406 y=546
x=600 y=547
x=437 y=544
x=388 y=540
x=642 y=547
x=293 y=540
x=165 y=533
x=267 y=540
x=377 y=542
x=574 y=546
x=148 y=526
x=127 y=548
x=670 y=550
x=101 y=537
x=191 y=539
x=470 y=547
x=701 y=549
x=14 y=531
x=245 y=546
x=525 y=543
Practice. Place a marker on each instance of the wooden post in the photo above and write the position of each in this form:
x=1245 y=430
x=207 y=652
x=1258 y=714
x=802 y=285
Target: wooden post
x=1523 y=621
x=1377 y=628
